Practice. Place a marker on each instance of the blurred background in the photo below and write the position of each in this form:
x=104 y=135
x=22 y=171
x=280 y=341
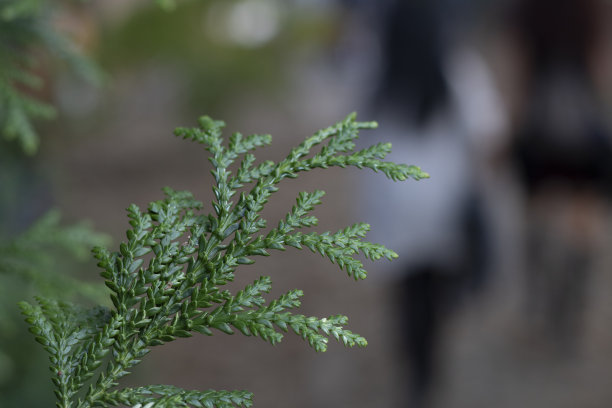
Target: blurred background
x=502 y=294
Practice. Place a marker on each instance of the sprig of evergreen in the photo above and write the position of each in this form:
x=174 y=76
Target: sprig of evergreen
x=166 y=279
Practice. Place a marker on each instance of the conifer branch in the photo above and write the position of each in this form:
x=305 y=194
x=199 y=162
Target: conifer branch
x=166 y=280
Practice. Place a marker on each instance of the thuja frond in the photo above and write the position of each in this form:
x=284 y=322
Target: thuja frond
x=166 y=279
x=167 y=396
x=25 y=30
x=64 y=330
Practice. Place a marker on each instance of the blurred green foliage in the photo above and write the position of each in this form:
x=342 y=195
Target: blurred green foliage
x=195 y=40
x=30 y=47
x=37 y=255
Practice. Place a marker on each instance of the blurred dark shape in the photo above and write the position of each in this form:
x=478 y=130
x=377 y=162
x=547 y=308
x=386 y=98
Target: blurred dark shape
x=444 y=240
x=413 y=52
x=561 y=135
x=562 y=153
x=429 y=294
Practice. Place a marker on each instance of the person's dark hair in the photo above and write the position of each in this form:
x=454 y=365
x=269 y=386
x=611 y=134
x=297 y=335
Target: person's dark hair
x=412 y=78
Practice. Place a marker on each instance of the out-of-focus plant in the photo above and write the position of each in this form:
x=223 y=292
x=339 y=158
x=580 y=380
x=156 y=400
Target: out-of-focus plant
x=221 y=49
x=34 y=256
x=167 y=279
x=38 y=259
x=30 y=42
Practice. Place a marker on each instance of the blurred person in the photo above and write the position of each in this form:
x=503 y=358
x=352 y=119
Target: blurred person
x=562 y=153
x=437 y=105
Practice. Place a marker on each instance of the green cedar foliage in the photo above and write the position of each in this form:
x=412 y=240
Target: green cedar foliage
x=166 y=279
